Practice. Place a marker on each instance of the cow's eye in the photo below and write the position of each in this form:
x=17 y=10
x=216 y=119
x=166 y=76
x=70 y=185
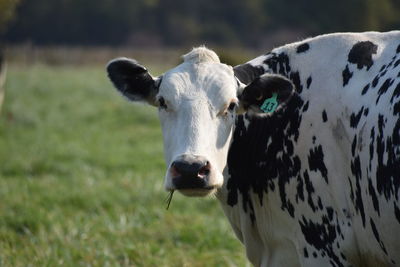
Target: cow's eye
x=232 y=106
x=161 y=103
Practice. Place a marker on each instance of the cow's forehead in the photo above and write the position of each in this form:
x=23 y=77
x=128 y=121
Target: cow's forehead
x=212 y=80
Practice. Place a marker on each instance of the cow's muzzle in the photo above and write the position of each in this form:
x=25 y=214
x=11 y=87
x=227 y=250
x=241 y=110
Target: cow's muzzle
x=191 y=175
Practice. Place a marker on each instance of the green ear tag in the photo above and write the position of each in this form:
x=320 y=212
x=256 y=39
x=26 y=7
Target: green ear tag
x=270 y=104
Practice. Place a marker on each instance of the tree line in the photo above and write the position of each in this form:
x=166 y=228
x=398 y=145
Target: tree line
x=185 y=22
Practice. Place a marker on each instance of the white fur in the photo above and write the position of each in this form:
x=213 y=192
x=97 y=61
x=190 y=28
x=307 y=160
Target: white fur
x=201 y=54
x=196 y=93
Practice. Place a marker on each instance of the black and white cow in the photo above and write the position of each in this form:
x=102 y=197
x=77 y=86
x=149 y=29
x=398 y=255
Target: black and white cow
x=314 y=182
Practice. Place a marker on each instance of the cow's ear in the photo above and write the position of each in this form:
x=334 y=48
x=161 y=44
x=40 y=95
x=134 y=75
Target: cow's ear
x=266 y=93
x=133 y=80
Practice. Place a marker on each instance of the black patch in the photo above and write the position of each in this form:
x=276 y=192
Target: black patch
x=314 y=254
x=396 y=63
x=355 y=119
x=316 y=161
x=366 y=111
x=321 y=236
x=300 y=189
x=346 y=74
x=351 y=189
x=396 y=140
x=310 y=191
x=376 y=234
x=305 y=253
x=320 y=206
x=361 y=54
x=375 y=81
x=396 y=93
x=365 y=90
x=398 y=49
x=385 y=86
x=354 y=145
x=330 y=213
x=371 y=147
x=356 y=171
x=324 y=116
x=397 y=212
x=387 y=173
x=288 y=206
x=374 y=198
x=391 y=62
x=309 y=80
x=247 y=73
x=396 y=108
x=295 y=77
x=278 y=63
x=303 y=48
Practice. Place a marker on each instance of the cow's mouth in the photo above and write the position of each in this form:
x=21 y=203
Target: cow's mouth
x=198 y=192
x=191 y=192
x=193 y=186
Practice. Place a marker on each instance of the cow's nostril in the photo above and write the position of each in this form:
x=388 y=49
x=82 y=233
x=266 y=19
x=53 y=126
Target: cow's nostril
x=174 y=172
x=205 y=170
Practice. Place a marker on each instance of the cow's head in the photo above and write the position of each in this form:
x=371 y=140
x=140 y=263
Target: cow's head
x=197 y=103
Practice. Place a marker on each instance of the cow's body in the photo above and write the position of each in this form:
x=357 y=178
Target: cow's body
x=314 y=183
x=317 y=183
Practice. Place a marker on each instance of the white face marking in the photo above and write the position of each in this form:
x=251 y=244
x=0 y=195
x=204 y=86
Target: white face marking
x=196 y=117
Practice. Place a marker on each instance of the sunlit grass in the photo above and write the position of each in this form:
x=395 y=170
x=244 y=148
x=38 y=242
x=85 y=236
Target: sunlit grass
x=81 y=180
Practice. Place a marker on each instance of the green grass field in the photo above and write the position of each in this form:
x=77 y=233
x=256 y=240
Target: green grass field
x=81 y=180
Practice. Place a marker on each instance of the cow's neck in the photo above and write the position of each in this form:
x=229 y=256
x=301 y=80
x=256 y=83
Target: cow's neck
x=261 y=162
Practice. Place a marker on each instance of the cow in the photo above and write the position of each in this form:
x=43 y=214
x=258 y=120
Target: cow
x=301 y=146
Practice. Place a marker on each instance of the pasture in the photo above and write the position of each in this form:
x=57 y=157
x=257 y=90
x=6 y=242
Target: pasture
x=81 y=180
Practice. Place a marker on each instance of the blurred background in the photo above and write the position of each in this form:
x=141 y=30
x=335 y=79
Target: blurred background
x=256 y=25
x=81 y=169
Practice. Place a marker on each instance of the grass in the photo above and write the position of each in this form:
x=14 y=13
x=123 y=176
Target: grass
x=81 y=180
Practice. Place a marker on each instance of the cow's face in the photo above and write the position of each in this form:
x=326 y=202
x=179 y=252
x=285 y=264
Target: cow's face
x=197 y=103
